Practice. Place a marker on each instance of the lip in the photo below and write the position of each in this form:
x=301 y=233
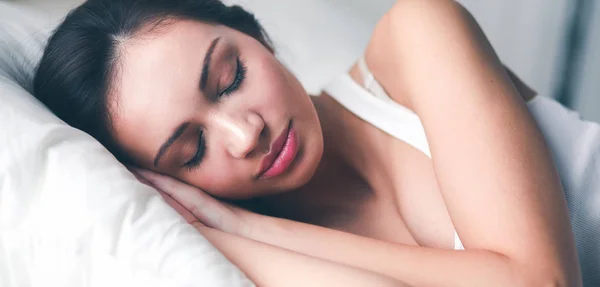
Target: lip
x=281 y=155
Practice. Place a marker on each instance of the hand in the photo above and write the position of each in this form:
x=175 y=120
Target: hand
x=195 y=205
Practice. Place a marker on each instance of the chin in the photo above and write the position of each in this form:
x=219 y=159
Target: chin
x=307 y=166
x=300 y=174
x=313 y=161
x=311 y=154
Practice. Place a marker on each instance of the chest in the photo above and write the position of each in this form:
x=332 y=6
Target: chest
x=406 y=199
x=405 y=208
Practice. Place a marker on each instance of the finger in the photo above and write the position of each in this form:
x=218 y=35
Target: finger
x=186 y=214
x=173 y=187
x=140 y=178
x=201 y=205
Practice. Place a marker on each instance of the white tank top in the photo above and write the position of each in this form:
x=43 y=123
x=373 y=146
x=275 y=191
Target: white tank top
x=372 y=104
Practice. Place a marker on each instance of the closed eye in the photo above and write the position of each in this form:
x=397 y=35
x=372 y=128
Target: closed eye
x=240 y=76
x=200 y=151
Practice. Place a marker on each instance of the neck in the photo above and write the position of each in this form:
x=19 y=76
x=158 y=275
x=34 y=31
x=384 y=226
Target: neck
x=342 y=143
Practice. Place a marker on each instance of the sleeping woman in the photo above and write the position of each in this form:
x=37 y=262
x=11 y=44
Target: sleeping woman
x=427 y=164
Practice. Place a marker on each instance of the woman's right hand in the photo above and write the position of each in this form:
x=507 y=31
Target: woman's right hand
x=195 y=205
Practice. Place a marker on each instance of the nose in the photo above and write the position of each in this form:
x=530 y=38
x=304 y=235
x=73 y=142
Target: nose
x=241 y=131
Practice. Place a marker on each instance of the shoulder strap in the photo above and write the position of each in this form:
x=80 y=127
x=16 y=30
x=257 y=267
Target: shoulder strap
x=383 y=113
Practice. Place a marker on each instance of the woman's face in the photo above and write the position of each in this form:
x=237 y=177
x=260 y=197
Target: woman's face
x=213 y=107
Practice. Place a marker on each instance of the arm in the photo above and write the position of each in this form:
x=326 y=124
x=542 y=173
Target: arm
x=285 y=241
x=268 y=265
x=493 y=167
x=417 y=266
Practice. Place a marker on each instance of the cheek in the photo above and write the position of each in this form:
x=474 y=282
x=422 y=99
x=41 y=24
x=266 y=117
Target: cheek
x=273 y=88
x=219 y=177
x=211 y=176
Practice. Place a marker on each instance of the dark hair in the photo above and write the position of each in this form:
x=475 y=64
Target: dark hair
x=76 y=71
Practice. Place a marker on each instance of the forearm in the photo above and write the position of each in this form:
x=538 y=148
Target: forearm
x=417 y=266
x=268 y=265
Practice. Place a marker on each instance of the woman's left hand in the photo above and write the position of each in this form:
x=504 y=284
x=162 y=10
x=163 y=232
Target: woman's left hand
x=195 y=205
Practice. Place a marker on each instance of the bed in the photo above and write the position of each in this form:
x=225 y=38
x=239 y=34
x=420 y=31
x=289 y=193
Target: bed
x=72 y=215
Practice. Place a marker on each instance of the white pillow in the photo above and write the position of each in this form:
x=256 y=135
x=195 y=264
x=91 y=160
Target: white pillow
x=70 y=214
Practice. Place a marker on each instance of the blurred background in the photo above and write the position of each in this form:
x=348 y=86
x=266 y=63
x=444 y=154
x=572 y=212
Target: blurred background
x=554 y=45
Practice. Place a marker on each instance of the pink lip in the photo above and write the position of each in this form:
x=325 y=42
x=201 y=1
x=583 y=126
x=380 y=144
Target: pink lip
x=282 y=154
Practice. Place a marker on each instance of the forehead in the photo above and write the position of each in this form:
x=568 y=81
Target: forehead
x=156 y=71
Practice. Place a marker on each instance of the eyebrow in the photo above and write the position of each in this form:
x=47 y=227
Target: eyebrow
x=163 y=149
x=206 y=65
x=203 y=81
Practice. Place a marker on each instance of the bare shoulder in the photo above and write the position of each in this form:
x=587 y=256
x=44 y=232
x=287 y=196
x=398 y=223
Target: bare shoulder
x=420 y=41
x=415 y=10
x=411 y=23
x=414 y=34
x=411 y=18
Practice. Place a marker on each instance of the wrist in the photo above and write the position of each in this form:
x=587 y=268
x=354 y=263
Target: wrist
x=248 y=222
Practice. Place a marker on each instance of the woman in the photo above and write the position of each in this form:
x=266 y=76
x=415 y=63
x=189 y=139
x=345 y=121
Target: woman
x=192 y=90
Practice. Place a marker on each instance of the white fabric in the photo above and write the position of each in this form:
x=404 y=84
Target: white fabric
x=458 y=245
x=70 y=214
x=390 y=117
x=575 y=146
x=574 y=143
x=373 y=86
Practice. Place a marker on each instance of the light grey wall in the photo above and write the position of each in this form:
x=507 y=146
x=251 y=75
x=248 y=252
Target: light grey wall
x=530 y=38
x=527 y=35
x=587 y=94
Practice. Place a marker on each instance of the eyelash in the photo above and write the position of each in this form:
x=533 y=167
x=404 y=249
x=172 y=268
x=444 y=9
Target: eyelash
x=240 y=76
x=195 y=161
